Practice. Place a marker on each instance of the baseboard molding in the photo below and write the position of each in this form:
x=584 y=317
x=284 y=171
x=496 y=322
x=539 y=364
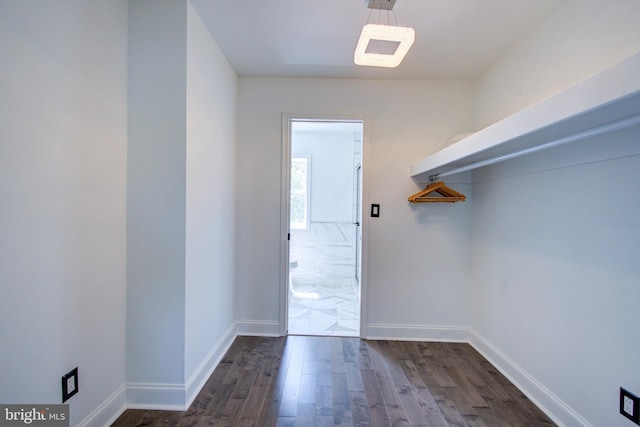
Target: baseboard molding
x=548 y=402
x=417 y=333
x=108 y=411
x=258 y=328
x=156 y=396
x=178 y=397
x=202 y=373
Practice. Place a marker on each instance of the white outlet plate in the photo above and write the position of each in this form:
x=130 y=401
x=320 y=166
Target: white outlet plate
x=71 y=387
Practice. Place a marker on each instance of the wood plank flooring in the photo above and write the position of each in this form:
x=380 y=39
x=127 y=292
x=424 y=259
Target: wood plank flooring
x=333 y=381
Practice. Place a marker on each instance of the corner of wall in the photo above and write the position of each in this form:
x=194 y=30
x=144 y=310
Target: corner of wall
x=541 y=396
x=109 y=411
x=258 y=328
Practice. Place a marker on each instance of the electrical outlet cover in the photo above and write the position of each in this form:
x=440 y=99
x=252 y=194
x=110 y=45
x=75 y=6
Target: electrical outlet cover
x=629 y=403
x=69 y=384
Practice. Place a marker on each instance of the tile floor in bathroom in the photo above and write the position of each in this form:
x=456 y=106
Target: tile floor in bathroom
x=323 y=290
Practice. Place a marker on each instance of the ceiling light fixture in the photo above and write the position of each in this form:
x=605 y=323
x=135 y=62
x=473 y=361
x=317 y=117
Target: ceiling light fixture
x=383 y=45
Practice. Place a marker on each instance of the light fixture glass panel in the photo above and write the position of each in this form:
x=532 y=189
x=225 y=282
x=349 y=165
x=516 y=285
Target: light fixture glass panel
x=404 y=35
x=384 y=47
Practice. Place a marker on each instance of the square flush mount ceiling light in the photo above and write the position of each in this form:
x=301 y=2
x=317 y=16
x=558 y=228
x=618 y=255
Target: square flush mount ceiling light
x=372 y=34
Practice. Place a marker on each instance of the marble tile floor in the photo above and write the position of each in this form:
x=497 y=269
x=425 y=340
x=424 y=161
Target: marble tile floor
x=324 y=295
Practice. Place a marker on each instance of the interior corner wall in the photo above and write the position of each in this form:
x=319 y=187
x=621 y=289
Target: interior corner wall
x=210 y=202
x=156 y=197
x=181 y=201
x=580 y=39
x=415 y=252
x=63 y=127
x=553 y=273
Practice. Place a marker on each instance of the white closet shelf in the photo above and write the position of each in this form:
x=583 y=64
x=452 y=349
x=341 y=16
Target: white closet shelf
x=601 y=103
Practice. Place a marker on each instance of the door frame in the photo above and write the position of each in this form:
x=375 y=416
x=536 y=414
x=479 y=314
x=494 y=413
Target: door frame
x=285 y=186
x=358 y=221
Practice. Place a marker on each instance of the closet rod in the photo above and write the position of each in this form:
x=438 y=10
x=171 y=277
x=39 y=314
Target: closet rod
x=594 y=131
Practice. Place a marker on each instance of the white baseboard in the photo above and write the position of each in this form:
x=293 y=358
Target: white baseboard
x=541 y=396
x=178 y=397
x=156 y=396
x=417 y=333
x=202 y=373
x=258 y=328
x=108 y=411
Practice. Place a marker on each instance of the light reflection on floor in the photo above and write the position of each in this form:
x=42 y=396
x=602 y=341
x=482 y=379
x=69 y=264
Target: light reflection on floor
x=324 y=297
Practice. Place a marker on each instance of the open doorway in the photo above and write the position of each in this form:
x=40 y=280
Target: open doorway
x=325 y=206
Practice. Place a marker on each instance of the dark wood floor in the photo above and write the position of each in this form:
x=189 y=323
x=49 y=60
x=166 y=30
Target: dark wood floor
x=331 y=381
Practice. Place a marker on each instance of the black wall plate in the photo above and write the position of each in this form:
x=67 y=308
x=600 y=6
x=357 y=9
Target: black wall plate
x=629 y=405
x=69 y=384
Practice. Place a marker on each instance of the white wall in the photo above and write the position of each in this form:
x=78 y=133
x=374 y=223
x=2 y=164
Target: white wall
x=332 y=173
x=580 y=39
x=63 y=127
x=211 y=192
x=554 y=275
x=554 y=272
x=181 y=192
x=156 y=193
x=415 y=252
x=66 y=71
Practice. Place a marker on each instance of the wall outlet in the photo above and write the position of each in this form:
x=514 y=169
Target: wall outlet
x=69 y=384
x=629 y=405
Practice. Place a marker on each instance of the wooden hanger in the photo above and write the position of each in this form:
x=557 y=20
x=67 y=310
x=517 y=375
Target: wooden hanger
x=447 y=195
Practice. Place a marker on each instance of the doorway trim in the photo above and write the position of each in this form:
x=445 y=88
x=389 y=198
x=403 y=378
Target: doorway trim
x=285 y=184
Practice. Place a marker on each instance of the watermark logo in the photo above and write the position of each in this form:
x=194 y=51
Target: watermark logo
x=34 y=415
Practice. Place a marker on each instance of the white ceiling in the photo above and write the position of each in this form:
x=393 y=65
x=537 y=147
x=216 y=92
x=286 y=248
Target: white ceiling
x=455 y=39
